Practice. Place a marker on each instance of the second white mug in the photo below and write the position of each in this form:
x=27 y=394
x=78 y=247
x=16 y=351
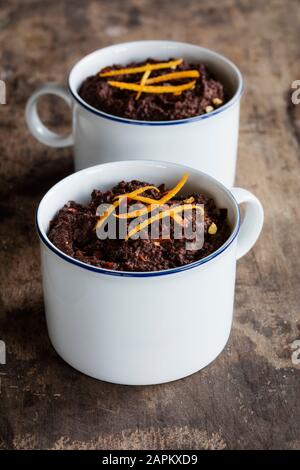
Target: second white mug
x=207 y=142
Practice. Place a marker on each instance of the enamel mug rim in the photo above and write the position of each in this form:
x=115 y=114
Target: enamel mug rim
x=58 y=186
x=220 y=57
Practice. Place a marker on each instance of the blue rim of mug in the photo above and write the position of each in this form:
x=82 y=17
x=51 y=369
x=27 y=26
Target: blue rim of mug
x=112 y=272
x=236 y=97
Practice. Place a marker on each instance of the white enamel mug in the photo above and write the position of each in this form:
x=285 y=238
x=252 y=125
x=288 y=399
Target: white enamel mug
x=207 y=142
x=142 y=327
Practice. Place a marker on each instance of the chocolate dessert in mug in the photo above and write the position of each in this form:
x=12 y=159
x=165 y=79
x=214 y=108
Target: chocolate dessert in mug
x=166 y=232
x=154 y=91
x=174 y=101
x=128 y=319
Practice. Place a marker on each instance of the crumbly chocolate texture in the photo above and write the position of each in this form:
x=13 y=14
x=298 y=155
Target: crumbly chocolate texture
x=96 y=91
x=73 y=231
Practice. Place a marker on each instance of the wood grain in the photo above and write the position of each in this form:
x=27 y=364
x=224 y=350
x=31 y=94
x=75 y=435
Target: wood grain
x=249 y=397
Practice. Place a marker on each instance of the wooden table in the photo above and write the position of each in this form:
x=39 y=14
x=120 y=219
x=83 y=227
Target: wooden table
x=249 y=397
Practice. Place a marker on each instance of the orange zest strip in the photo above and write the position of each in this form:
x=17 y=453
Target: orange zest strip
x=169 y=195
x=152 y=89
x=136 y=193
x=150 y=208
x=161 y=215
x=116 y=203
x=137 y=213
x=145 y=199
x=173 y=76
x=143 y=82
x=178 y=219
x=106 y=214
x=147 y=222
x=142 y=68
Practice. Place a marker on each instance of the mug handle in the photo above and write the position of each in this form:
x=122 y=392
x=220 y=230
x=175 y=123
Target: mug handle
x=253 y=221
x=36 y=127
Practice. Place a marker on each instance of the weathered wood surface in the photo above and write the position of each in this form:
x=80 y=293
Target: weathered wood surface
x=249 y=397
